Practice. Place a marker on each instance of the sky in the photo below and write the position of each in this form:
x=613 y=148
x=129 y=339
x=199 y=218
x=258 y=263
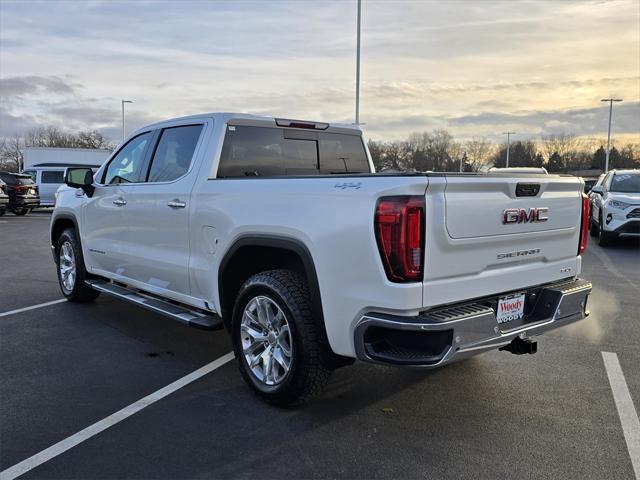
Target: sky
x=476 y=68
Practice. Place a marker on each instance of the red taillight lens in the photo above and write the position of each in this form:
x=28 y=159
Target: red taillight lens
x=584 y=226
x=399 y=227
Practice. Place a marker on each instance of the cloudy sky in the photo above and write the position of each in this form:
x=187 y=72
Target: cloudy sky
x=476 y=68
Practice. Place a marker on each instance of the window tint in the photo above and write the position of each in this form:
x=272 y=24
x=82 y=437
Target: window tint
x=249 y=151
x=265 y=151
x=56 y=176
x=31 y=173
x=174 y=152
x=10 y=179
x=341 y=153
x=126 y=166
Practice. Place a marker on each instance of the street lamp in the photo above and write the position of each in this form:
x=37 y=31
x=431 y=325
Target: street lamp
x=508 y=134
x=123 y=102
x=358 y=66
x=610 y=100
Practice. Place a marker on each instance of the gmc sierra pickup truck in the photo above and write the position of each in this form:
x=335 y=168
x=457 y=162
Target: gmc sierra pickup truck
x=281 y=232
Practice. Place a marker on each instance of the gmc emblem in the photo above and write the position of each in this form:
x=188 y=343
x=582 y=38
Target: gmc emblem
x=520 y=215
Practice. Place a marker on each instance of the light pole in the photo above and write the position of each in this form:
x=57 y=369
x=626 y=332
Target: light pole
x=123 y=132
x=358 y=67
x=610 y=100
x=508 y=134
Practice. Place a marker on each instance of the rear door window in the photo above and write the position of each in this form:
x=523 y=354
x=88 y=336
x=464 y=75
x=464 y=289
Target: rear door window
x=55 y=176
x=174 y=153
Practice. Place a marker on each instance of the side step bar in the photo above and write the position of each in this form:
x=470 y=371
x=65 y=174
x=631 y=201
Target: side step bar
x=193 y=318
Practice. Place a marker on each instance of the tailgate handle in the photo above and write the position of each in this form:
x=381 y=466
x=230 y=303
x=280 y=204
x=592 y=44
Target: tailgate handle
x=527 y=189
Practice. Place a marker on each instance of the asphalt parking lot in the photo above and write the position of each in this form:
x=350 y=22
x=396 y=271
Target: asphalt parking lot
x=64 y=367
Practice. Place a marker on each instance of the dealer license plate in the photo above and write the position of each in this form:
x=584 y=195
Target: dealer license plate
x=510 y=308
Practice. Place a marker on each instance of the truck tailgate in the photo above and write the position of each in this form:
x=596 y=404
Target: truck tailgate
x=495 y=233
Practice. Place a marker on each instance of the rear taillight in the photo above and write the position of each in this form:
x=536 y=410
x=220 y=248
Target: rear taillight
x=399 y=227
x=584 y=225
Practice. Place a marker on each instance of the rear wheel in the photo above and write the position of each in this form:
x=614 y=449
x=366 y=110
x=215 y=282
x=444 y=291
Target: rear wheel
x=71 y=271
x=2 y=211
x=21 y=211
x=275 y=338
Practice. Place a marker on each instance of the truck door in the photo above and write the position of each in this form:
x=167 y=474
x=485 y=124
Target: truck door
x=157 y=213
x=103 y=228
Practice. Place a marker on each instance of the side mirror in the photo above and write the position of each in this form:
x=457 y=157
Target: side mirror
x=80 y=178
x=598 y=189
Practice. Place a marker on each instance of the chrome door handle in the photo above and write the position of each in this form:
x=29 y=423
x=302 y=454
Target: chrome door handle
x=120 y=202
x=176 y=204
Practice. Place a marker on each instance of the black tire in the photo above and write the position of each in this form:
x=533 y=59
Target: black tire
x=79 y=292
x=2 y=211
x=593 y=228
x=21 y=211
x=604 y=238
x=307 y=374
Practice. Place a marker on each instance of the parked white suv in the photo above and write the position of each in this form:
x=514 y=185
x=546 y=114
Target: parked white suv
x=616 y=206
x=281 y=231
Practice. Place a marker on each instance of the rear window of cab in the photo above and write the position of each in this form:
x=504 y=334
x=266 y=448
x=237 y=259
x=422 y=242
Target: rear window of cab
x=250 y=151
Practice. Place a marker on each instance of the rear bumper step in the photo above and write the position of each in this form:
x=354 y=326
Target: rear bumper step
x=193 y=318
x=441 y=336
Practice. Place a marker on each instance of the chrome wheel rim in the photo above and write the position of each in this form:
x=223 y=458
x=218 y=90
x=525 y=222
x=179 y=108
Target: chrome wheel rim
x=266 y=340
x=67 y=267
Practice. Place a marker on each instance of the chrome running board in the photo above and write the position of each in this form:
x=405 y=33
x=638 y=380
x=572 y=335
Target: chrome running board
x=183 y=314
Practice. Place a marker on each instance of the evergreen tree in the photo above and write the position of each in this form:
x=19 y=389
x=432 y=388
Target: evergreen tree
x=555 y=163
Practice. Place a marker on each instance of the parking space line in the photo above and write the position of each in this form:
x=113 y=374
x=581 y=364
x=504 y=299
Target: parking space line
x=32 y=307
x=626 y=410
x=100 y=426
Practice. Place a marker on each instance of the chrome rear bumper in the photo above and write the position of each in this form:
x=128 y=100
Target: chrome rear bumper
x=441 y=336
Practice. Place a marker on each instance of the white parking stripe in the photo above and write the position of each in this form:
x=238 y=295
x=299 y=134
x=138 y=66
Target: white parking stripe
x=70 y=442
x=626 y=410
x=32 y=307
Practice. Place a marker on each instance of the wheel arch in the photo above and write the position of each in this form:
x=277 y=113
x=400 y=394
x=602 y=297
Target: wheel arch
x=60 y=224
x=250 y=254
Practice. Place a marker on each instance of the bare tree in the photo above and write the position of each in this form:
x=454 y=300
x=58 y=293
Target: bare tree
x=479 y=151
x=11 y=153
x=12 y=148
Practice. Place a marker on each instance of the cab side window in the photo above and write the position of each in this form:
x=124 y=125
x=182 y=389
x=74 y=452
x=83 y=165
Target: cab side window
x=174 y=153
x=126 y=166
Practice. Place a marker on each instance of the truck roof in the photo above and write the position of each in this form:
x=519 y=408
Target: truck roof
x=237 y=118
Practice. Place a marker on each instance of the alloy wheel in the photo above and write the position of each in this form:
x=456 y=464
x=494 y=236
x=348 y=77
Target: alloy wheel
x=67 y=267
x=266 y=340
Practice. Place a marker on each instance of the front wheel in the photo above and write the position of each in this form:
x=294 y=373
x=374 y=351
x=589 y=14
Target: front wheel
x=593 y=228
x=2 y=211
x=21 y=211
x=276 y=340
x=71 y=271
x=604 y=238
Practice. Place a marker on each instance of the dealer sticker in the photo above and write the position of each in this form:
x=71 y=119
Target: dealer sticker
x=510 y=308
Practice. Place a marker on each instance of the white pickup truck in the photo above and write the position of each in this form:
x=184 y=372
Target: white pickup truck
x=281 y=231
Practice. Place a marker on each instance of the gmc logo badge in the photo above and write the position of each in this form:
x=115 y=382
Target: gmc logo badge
x=521 y=215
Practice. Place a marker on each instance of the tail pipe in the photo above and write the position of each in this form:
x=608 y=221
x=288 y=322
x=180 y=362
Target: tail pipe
x=519 y=346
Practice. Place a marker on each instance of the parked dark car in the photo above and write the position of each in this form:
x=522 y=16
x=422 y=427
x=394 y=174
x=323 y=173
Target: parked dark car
x=22 y=192
x=4 y=198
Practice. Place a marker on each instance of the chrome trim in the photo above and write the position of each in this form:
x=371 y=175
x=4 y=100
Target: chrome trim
x=181 y=313
x=478 y=330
